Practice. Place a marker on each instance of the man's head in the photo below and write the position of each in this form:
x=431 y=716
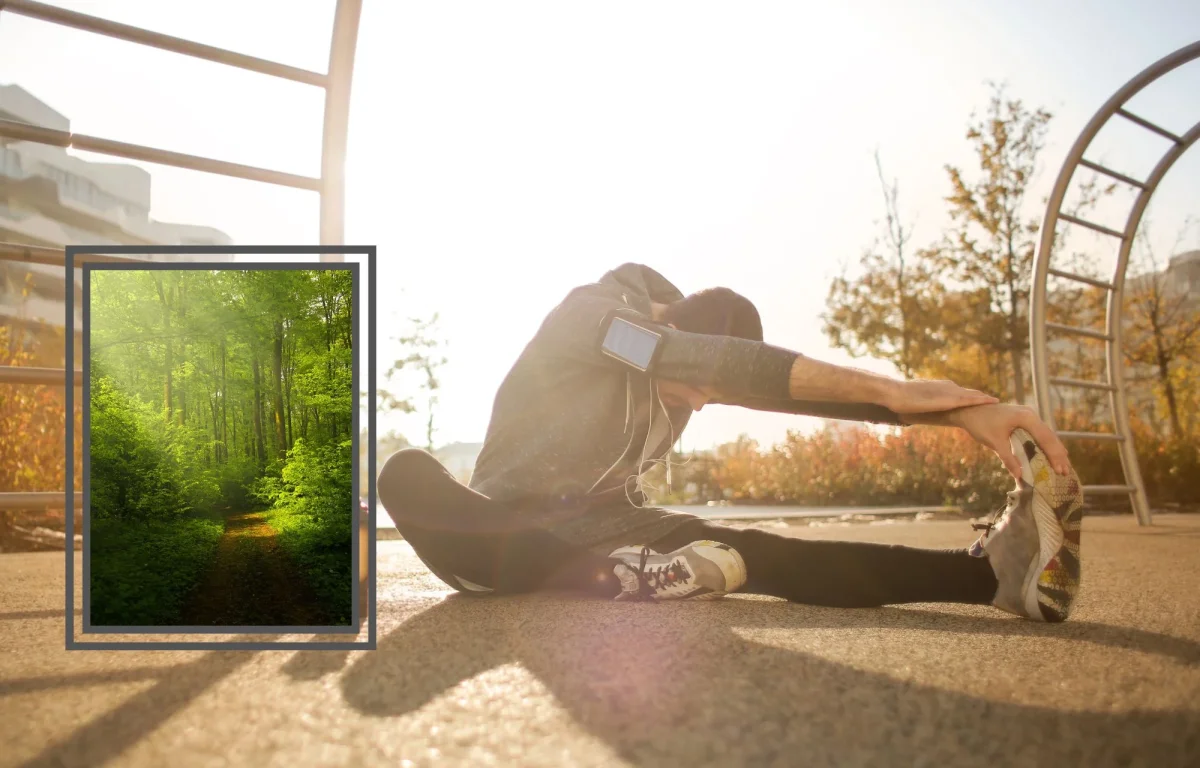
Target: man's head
x=714 y=312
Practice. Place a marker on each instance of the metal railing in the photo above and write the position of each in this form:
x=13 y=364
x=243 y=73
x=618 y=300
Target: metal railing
x=330 y=186
x=1114 y=382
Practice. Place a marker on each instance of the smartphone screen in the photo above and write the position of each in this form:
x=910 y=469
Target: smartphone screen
x=630 y=343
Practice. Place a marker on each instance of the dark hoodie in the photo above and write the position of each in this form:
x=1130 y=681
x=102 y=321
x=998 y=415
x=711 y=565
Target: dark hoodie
x=572 y=430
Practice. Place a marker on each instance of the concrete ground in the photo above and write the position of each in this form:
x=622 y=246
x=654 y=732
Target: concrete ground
x=549 y=680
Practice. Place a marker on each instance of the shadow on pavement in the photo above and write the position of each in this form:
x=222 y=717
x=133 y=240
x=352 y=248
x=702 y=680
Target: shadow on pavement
x=23 y=615
x=679 y=682
x=109 y=735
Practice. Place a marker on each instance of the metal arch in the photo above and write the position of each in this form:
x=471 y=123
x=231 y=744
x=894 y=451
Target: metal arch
x=336 y=126
x=330 y=186
x=1128 y=452
x=1041 y=269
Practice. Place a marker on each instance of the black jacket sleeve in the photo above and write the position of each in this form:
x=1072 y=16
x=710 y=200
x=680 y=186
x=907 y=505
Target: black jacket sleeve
x=749 y=374
x=738 y=367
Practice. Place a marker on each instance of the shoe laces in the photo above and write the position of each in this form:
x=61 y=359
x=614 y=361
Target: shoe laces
x=987 y=528
x=659 y=577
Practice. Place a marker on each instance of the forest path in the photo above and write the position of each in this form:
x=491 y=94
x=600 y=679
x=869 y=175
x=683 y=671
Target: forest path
x=252 y=581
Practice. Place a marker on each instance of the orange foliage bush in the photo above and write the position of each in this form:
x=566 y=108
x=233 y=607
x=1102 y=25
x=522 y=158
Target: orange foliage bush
x=33 y=431
x=923 y=466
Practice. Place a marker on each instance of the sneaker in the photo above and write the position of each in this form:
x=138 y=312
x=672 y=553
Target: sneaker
x=1034 y=548
x=701 y=570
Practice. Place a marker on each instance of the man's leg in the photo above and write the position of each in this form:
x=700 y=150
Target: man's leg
x=474 y=543
x=844 y=574
x=1026 y=562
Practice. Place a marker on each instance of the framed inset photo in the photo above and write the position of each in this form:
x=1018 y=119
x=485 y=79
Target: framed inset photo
x=221 y=465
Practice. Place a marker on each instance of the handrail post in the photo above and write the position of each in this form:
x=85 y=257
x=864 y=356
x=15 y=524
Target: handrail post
x=336 y=125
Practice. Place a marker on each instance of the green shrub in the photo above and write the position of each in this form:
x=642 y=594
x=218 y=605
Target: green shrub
x=143 y=572
x=321 y=556
x=312 y=510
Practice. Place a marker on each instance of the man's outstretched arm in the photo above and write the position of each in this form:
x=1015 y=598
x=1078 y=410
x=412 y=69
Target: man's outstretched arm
x=815 y=388
x=754 y=374
x=824 y=382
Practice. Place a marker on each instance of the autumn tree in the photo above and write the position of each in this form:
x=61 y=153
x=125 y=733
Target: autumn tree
x=993 y=240
x=996 y=226
x=890 y=309
x=1162 y=327
x=959 y=308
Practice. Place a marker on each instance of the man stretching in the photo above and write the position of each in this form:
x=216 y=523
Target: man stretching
x=556 y=500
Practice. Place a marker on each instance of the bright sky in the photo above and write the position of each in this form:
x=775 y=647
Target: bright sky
x=501 y=153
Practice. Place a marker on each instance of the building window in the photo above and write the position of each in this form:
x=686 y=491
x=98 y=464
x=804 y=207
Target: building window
x=11 y=164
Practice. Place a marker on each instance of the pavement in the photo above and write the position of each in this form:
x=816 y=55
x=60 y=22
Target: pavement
x=549 y=680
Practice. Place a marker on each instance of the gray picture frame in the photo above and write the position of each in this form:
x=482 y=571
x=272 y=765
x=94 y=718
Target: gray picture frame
x=354 y=627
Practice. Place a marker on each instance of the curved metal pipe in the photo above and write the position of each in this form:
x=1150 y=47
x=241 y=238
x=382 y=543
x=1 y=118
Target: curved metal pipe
x=1041 y=266
x=1116 y=366
x=336 y=127
x=1041 y=261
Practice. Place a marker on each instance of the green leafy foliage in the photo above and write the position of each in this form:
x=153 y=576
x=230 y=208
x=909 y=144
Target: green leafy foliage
x=323 y=558
x=142 y=573
x=214 y=392
x=311 y=513
x=142 y=469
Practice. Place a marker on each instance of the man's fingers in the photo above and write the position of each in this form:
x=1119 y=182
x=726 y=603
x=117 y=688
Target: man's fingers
x=1011 y=462
x=1055 y=451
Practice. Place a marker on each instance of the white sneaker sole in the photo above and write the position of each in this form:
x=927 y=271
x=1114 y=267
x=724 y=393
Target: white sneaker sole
x=1052 y=581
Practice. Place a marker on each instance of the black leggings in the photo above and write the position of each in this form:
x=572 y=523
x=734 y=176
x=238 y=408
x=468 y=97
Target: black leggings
x=463 y=535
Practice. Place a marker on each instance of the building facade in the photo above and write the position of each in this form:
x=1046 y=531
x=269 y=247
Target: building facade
x=49 y=197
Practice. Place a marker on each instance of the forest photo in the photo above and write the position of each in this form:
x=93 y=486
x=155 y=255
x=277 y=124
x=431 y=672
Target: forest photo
x=221 y=407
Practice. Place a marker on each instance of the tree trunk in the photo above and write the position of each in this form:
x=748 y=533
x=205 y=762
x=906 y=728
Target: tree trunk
x=216 y=428
x=168 y=363
x=287 y=381
x=181 y=314
x=1014 y=344
x=224 y=405
x=905 y=361
x=277 y=389
x=1164 y=378
x=1018 y=375
x=203 y=419
x=183 y=394
x=260 y=451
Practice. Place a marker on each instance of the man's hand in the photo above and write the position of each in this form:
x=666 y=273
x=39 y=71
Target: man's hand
x=911 y=397
x=992 y=425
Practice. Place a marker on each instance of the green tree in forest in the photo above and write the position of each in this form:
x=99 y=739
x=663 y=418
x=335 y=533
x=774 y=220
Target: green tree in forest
x=217 y=391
